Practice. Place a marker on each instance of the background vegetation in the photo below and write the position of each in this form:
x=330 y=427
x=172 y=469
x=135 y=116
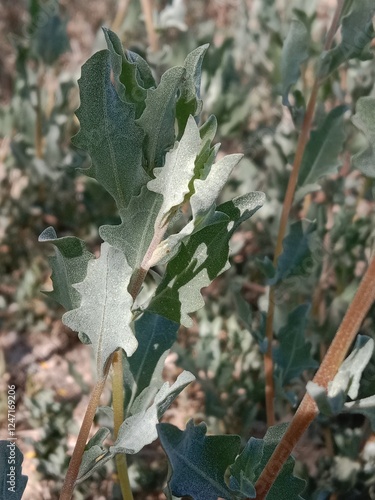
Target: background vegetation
x=43 y=46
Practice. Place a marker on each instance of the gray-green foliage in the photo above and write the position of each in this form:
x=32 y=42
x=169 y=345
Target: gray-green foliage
x=295 y=52
x=357 y=31
x=293 y=356
x=347 y=384
x=321 y=155
x=250 y=463
x=197 y=466
x=69 y=266
x=364 y=120
x=149 y=153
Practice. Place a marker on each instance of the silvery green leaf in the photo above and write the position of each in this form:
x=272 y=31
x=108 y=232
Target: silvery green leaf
x=354 y=366
x=94 y=456
x=69 y=266
x=105 y=313
x=172 y=180
x=364 y=120
x=109 y=133
x=205 y=193
x=173 y=16
x=328 y=405
x=294 y=53
x=347 y=380
x=200 y=260
x=126 y=73
x=189 y=101
x=157 y=120
x=133 y=236
x=207 y=190
x=139 y=429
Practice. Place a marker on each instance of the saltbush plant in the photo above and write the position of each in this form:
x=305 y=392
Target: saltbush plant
x=152 y=154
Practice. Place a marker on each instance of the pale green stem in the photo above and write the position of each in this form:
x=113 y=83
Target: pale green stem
x=118 y=418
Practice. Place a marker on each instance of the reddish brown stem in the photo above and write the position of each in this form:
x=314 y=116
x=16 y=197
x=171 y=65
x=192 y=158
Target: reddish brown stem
x=75 y=461
x=302 y=141
x=307 y=410
x=153 y=39
x=288 y=200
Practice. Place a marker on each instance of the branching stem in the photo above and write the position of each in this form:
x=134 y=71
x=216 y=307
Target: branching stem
x=288 y=200
x=75 y=461
x=307 y=410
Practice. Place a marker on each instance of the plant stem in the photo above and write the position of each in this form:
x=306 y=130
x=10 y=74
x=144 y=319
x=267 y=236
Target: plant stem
x=75 y=461
x=288 y=200
x=153 y=39
x=336 y=353
x=118 y=418
x=146 y=262
x=122 y=10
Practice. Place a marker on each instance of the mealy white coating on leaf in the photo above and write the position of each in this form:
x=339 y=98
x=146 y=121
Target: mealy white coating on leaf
x=205 y=194
x=105 y=312
x=172 y=180
x=190 y=296
x=353 y=366
x=206 y=191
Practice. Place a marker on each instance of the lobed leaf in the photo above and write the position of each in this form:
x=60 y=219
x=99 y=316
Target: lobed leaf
x=346 y=382
x=69 y=266
x=158 y=118
x=205 y=192
x=199 y=260
x=364 y=120
x=293 y=354
x=105 y=313
x=109 y=132
x=94 y=456
x=198 y=462
x=295 y=52
x=250 y=463
x=132 y=75
x=355 y=364
x=172 y=181
x=139 y=429
x=133 y=236
x=296 y=252
x=189 y=102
